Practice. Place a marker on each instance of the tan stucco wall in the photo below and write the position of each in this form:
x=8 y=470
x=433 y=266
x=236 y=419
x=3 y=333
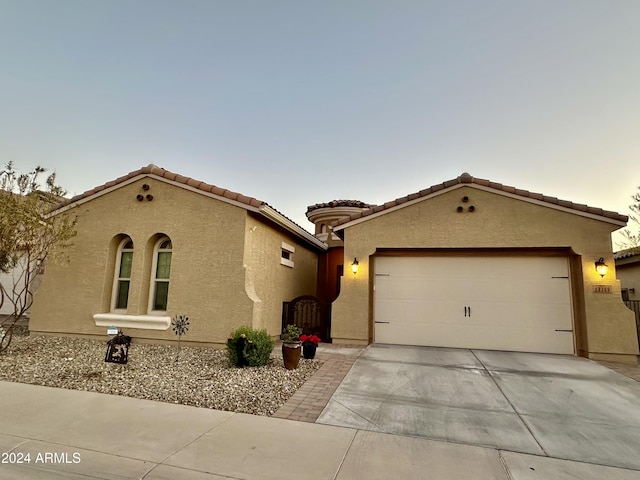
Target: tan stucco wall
x=268 y=282
x=497 y=222
x=207 y=273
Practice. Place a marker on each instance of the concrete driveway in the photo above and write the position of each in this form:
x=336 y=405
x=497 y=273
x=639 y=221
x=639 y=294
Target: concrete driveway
x=550 y=405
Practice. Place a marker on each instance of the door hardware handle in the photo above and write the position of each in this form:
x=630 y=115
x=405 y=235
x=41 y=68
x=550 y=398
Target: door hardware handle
x=465 y=311
x=469 y=311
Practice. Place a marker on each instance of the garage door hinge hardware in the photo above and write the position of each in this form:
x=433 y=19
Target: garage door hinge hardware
x=562 y=330
x=559 y=277
x=381 y=322
x=382 y=275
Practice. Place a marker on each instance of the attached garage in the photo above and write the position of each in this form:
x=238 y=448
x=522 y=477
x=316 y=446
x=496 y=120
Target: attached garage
x=471 y=263
x=520 y=303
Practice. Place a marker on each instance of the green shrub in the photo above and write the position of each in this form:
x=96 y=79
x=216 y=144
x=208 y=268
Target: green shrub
x=250 y=347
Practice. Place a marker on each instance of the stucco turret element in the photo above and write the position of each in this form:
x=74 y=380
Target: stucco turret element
x=324 y=214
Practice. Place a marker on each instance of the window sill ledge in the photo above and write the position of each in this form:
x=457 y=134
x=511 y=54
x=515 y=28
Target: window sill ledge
x=145 y=322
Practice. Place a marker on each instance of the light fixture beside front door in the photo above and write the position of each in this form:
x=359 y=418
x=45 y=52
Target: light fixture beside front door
x=355 y=265
x=601 y=267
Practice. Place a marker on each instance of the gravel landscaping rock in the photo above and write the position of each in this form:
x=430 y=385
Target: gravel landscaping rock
x=203 y=377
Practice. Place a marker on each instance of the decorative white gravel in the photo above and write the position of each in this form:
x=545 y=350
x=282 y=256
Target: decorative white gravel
x=202 y=377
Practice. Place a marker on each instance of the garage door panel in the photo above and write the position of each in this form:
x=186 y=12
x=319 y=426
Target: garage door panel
x=456 y=335
x=505 y=303
x=411 y=311
x=411 y=287
x=487 y=315
x=517 y=290
x=507 y=314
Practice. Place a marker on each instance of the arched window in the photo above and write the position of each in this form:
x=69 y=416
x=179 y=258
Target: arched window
x=160 y=278
x=122 y=280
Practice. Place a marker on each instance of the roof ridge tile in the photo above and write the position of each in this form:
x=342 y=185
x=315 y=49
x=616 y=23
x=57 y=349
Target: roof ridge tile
x=466 y=178
x=155 y=170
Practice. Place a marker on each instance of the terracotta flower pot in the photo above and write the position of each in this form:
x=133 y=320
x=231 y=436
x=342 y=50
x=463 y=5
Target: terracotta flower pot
x=291 y=355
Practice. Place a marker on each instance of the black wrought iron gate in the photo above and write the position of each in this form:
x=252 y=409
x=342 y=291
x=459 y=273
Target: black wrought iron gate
x=310 y=313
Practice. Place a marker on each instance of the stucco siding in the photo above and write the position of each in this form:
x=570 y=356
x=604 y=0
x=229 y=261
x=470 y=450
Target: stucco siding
x=268 y=281
x=498 y=221
x=207 y=274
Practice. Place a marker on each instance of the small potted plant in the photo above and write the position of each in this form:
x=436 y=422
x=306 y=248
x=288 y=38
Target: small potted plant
x=291 y=346
x=309 y=345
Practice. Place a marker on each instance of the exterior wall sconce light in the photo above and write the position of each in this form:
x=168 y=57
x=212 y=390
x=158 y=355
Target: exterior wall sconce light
x=601 y=267
x=355 y=265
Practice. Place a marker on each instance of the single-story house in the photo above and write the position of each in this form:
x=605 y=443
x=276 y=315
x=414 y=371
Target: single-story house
x=153 y=244
x=468 y=263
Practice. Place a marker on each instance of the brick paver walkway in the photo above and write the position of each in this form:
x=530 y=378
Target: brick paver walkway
x=307 y=403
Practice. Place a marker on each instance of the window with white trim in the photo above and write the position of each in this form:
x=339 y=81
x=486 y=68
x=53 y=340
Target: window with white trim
x=286 y=255
x=161 y=273
x=122 y=280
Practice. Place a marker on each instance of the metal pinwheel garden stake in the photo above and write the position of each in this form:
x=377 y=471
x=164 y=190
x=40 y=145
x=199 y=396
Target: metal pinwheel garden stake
x=180 y=326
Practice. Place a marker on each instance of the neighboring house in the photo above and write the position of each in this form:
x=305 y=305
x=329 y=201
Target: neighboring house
x=628 y=272
x=153 y=244
x=15 y=277
x=14 y=281
x=471 y=263
x=466 y=264
x=7 y=307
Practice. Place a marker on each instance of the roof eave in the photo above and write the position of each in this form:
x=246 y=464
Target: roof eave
x=254 y=207
x=288 y=224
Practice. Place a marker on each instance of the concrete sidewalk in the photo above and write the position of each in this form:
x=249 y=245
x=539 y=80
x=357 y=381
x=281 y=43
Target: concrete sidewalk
x=65 y=434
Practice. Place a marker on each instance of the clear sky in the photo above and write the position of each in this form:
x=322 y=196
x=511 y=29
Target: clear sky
x=301 y=102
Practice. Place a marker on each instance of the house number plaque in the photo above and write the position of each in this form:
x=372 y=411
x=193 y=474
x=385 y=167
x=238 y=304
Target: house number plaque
x=602 y=289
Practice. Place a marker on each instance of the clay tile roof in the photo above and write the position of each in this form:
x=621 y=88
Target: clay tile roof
x=628 y=253
x=152 y=169
x=465 y=178
x=339 y=203
x=181 y=179
x=194 y=183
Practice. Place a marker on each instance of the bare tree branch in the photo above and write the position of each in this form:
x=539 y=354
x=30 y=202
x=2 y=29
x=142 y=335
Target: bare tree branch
x=631 y=238
x=29 y=236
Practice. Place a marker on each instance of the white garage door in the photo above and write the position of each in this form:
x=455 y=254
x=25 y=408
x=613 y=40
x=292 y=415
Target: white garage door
x=495 y=303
